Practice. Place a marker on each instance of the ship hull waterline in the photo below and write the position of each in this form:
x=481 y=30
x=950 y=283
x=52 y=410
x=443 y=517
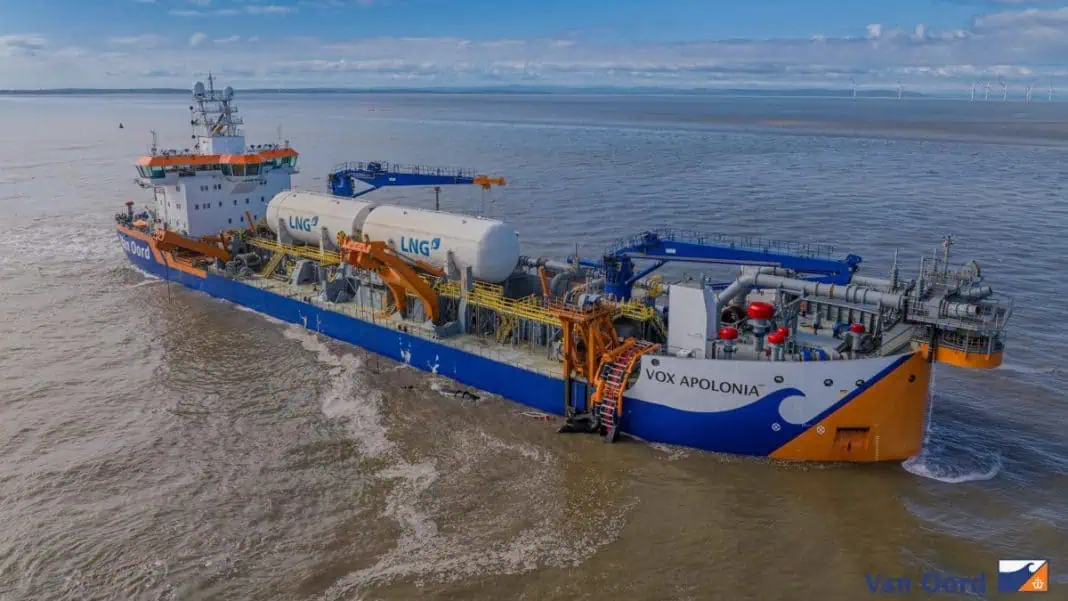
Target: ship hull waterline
x=860 y=410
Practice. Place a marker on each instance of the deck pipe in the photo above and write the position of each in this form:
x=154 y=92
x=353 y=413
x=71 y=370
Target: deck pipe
x=849 y=293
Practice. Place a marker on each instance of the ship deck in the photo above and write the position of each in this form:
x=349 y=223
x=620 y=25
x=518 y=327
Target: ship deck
x=537 y=358
x=532 y=358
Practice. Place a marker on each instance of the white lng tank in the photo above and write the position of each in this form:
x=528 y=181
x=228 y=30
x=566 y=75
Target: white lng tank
x=304 y=214
x=489 y=247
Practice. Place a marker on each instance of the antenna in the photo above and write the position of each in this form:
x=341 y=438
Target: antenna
x=947 y=241
x=155 y=142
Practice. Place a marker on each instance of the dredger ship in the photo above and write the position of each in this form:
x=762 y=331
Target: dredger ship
x=798 y=358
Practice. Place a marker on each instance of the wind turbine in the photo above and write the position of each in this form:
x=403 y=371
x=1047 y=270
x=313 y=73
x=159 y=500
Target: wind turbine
x=973 y=93
x=854 y=88
x=1051 y=89
x=1004 y=91
x=900 y=89
x=1029 y=90
x=986 y=92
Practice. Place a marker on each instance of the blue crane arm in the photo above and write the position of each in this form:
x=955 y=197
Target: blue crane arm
x=342 y=180
x=691 y=252
x=667 y=246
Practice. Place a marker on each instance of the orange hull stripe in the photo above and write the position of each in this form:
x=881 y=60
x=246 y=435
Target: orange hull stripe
x=885 y=422
x=168 y=261
x=144 y=238
x=215 y=159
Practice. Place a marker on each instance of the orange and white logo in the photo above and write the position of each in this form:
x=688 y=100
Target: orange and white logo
x=1023 y=575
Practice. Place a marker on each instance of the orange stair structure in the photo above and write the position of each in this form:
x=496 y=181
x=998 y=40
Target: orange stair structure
x=593 y=350
x=611 y=381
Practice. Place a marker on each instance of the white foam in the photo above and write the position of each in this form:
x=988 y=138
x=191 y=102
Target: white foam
x=674 y=453
x=925 y=467
x=485 y=545
x=468 y=548
x=1029 y=369
x=346 y=398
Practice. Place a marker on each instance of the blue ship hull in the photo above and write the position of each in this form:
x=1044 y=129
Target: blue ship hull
x=744 y=430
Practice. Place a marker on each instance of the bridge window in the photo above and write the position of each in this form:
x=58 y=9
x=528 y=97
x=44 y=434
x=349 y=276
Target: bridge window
x=246 y=201
x=239 y=170
x=220 y=204
x=196 y=207
x=263 y=199
x=229 y=221
x=252 y=169
x=235 y=202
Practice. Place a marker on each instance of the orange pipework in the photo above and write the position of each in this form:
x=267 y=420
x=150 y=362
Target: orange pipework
x=397 y=275
x=591 y=329
x=486 y=181
x=167 y=241
x=543 y=277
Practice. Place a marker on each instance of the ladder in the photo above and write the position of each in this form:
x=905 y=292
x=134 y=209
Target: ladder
x=272 y=265
x=504 y=328
x=613 y=383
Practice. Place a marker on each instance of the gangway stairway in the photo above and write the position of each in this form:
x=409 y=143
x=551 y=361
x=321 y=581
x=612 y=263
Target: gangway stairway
x=607 y=399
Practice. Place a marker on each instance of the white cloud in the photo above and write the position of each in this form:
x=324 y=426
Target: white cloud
x=145 y=40
x=1026 y=45
x=199 y=2
x=24 y=45
x=269 y=9
x=251 y=9
x=188 y=12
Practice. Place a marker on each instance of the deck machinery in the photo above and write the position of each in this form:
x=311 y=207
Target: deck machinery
x=797 y=357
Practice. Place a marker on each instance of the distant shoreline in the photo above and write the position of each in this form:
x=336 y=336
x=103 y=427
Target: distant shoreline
x=797 y=93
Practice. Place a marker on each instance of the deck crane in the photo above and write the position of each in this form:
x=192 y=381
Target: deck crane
x=377 y=174
x=663 y=246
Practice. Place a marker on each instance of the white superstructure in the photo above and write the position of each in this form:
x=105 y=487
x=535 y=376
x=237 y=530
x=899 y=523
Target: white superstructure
x=220 y=182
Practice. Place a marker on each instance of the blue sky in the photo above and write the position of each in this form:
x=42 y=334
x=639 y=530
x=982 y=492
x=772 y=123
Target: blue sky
x=925 y=44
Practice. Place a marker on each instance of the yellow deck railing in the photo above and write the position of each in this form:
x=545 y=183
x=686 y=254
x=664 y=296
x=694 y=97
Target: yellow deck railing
x=485 y=295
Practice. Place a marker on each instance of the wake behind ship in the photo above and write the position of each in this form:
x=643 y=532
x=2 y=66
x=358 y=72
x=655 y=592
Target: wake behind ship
x=797 y=358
